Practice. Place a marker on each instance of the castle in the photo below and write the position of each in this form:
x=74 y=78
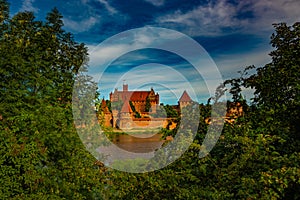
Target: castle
x=141 y=100
x=133 y=109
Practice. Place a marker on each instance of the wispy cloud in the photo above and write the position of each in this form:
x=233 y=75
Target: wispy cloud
x=27 y=5
x=106 y=53
x=80 y=26
x=108 y=7
x=272 y=11
x=126 y=42
x=156 y=2
x=224 y=17
x=88 y=13
x=208 y=19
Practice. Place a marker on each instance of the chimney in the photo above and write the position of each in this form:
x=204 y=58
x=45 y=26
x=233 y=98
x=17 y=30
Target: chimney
x=125 y=87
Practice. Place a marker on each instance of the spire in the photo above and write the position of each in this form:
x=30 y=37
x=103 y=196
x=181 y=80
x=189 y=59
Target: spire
x=126 y=108
x=185 y=97
x=125 y=87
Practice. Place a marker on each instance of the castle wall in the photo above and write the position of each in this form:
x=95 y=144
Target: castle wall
x=152 y=123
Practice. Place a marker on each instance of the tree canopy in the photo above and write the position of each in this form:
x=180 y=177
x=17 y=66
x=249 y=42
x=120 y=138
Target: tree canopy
x=41 y=154
x=256 y=157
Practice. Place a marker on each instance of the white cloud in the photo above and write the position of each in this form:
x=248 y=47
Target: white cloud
x=205 y=19
x=213 y=18
x=27 y=6
x=106 y=53
x=117 y=45
x=80 y=26
x=156 y=2
x=88 y=16
x=274 y=11
x=108 y=7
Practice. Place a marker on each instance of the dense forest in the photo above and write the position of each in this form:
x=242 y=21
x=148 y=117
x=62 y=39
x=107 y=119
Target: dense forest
x=42 y=157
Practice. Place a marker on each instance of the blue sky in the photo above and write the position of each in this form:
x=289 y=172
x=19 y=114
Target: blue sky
x=235 y=34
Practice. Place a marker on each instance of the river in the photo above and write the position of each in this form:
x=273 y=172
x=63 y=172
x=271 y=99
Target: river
x=131 y=147
x=139 y=143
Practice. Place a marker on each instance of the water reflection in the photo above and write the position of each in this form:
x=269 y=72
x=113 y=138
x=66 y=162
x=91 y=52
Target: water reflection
x=132 y=147
x=139 y=143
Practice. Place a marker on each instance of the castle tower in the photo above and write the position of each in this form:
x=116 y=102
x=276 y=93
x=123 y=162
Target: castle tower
x=125 y=87
x=126 y=116
x=184 y=100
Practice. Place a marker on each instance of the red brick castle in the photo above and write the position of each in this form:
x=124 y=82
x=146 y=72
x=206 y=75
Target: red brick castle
x=126 y=104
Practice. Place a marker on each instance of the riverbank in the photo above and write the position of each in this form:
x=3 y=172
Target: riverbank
x=134 y=131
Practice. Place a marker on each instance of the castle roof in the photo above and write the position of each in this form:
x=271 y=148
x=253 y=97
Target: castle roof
x=134 y=95
x=139 y=95
x=185 y=97
x=126 y=108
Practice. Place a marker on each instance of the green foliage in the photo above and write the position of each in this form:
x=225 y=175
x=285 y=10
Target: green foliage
x=273 y=118
x=41 y=154
x=42 y=157
x=108 y=104
x=136 y=113
x=4 y=12
x=147 y=105
x=171 y=113
x=132 y=106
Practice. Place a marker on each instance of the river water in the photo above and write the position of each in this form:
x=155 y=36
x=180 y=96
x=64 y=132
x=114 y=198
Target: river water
x=138 y=143
x=131 y=147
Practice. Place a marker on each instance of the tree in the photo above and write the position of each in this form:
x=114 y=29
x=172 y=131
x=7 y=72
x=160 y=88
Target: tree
x=277 y=84
x=272 y=123
x=170 y=111
x=41 y=153
x=256 y=157
x=147 y=105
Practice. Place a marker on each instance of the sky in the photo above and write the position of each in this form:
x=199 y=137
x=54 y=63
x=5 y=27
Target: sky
x=170 y=45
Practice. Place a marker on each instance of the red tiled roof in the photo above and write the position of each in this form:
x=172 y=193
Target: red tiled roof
x=126 y=108
x=139 y=95
x=133 y=96
x=185 y=97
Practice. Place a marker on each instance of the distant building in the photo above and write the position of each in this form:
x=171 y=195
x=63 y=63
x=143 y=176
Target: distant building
x=139 y=99
x=125 y=116
x=126 y=104
x=184 y=100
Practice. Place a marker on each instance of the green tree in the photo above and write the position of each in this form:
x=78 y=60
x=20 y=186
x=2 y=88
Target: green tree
x=147 y=105
x=271 y=126
x=170 y=111
x=42 y=156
